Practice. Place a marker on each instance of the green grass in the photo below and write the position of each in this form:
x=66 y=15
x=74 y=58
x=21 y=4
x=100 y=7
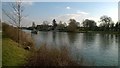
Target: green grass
x=0 y=49
x=12 y=55
x=18 y=36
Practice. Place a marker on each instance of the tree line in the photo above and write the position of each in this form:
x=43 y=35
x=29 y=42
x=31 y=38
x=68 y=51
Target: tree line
x=106 y=24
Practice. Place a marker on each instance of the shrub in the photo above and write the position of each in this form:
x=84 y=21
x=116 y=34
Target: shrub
x=52 y=57
x=18 y=35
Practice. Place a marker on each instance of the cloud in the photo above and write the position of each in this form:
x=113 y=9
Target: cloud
x=78 y=11
x=28 y=3
x=96 y=19
x=83 y=12
x=68 y=7
x=79 y=17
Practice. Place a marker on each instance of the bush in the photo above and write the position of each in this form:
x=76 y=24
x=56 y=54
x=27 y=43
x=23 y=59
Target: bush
x=18 y=35
x=52 y=57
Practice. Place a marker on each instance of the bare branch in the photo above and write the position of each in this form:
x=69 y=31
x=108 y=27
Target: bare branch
x=16 y=15
x=9 y=16
x=12 y=23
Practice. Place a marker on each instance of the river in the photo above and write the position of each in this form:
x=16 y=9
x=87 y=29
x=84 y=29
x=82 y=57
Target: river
x=99 y=49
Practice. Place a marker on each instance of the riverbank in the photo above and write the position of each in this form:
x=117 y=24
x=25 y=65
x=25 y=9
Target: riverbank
x=100 y=32
x=15 y=54
x=46 y=56
x=1 y=49
x=14 y=42
x=17 y=35
x=12 y=55
x=81 y=31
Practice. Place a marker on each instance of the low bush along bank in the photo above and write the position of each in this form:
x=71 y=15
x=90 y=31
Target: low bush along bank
x=14 y=42
x=18 y=36
x=52 y=57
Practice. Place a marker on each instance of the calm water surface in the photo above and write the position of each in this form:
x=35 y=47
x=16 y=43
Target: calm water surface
x=98 y=49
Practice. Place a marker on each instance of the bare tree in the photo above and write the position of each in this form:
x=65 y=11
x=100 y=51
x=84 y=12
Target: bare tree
x=16 y=14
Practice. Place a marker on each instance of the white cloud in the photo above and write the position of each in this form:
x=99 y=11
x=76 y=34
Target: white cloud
x=68 y=7
x=81 y=12
x=28 y=3
x=79 y=17
x=27 y=21
x=96 y=19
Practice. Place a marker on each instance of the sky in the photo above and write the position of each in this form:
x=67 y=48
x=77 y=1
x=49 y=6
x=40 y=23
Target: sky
x=64 y=0
x=63 y=11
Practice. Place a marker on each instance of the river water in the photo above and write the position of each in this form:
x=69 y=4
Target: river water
x=99 y=49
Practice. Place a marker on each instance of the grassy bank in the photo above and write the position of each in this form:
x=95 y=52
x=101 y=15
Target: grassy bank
x=0 y=49
x=17 y=56
x=12 y=55
x=44 y=56
x=18 y=36
x=13 y=43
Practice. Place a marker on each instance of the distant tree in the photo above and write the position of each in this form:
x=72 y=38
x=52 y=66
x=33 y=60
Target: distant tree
x=72 y=25
x=33 y=25
x=45 y=22
x=65 y=24
x=105 y=22
x=0 y=25
x=60 y=22
x=89 y=23
x=111 y=26
x=78 y=24
x=61 y=26
x=45 y=25
x=54 y=24
x=117 y=26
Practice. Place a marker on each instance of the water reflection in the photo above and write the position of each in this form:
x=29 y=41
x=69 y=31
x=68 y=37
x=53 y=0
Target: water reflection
x=88 y=39
x=102 y=49
x=54 y=37
x=72 y=37
x=105 y=41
